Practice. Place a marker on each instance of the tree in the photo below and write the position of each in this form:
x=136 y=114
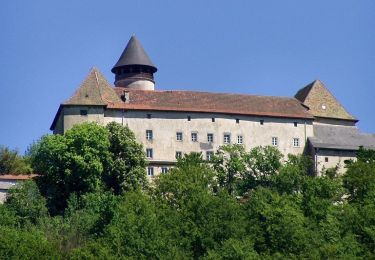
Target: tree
x=87 y=158
x=25 y=200
x=230 y=165
x=127 y=165
x=12 y=163
x=239 y=171
x=199 y=218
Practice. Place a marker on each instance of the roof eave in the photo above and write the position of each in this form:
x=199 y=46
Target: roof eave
x=336 y=118
x=212 y=111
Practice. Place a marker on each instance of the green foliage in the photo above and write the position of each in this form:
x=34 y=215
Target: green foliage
x=12 y=163
x=199 y=219
x=126 y=167
x=88 y=158
x=25 y=244
x=239 y=171
x=230 y=166
x=278 y=224
x=236 y=249
x=26 y=201
x=241 y=205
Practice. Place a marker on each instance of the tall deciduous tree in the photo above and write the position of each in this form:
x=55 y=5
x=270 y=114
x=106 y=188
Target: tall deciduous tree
x=88 y=158
x=126 y=167
x=12 y=163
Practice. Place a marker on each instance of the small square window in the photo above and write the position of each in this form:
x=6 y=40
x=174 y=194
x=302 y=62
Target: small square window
x=275 y=141
x=210 y=138
x=83 y=112
x=150 y=171
x=179 y=136
x=164 y=170
x=295 y=142
x=149 y=153
x=149 y=134
x=189 y=118
x=295 y=124
x=178 y=155
x=239 y=139
x=213 y=119
x=261 y=122
x=209 y=155
x=149 y=116
x=194 y=137
x=237 y=121
x=226 y=138
x=326 y=159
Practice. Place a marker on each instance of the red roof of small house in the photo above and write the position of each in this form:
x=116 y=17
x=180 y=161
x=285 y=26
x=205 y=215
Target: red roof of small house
x=17 y=177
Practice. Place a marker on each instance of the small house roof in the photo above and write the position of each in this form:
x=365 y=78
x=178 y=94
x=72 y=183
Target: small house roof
x=341 y=138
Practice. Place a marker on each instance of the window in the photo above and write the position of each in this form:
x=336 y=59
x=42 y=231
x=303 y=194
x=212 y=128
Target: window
x=261 y=122
x=149 y=153
x=194 y=137
x=178 y=155
x=326 y=159
x=150 y=171
x=295 y=124
x=179 y=136
x=209 y=155
x=189 y=118
x=213 y=119
x=164 y=169
x=275 y=141
x=239 y=139
x=226 y=138
x=210 y=138
x=295 y=142
x=237 y=121
x=149 y=116
x=149 y=134
x=83 y=112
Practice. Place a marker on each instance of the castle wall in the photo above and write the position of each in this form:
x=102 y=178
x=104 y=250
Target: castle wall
x=165 y=125
x=72 y=115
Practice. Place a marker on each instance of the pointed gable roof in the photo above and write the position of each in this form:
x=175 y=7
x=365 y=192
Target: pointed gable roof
x=94 y=90
x=321 y=102
x=134 y=54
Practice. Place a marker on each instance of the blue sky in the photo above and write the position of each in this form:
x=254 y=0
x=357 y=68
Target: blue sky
x=255 y=47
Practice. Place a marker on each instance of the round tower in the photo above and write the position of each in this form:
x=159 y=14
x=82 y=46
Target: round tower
x=134 y=68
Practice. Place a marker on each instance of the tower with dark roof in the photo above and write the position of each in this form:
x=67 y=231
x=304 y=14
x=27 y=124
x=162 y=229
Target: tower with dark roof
x=134 y=69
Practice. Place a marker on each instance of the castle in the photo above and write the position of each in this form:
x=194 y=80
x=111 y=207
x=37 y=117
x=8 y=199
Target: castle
x=172 y=123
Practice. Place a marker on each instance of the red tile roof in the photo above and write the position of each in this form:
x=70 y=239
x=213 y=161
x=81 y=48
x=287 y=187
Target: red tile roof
x=191 y=101
x=17 y=177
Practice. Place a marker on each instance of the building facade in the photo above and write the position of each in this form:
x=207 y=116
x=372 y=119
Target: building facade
x=172 y=123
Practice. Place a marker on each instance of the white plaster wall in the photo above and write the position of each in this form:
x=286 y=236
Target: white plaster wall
x=5 y=185
x=335 y=159
x=72 y=115
x=165 y=125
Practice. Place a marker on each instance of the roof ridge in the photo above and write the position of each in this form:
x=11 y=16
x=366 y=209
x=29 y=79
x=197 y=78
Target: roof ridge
x=206 y=92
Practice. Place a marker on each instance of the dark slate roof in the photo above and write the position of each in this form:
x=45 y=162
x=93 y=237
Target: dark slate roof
x=341 y=138
x=134 y=54
x=94 y=90
x=191 y=101
x=321 y=102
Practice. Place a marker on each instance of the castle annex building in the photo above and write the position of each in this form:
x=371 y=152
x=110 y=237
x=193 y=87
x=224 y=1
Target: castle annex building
x=172 y=123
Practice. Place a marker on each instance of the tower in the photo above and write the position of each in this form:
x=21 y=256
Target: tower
x=134 y=69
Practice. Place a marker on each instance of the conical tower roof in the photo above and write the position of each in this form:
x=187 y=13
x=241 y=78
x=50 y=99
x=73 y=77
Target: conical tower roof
x=134 y=54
